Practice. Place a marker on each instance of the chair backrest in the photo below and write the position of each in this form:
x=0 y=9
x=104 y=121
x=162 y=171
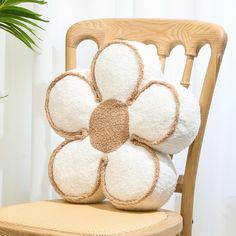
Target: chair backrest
x=165 y=35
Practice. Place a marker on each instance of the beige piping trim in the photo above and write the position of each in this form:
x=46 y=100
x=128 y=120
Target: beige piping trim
x=147 y=193
x=82 y=133
x=174 y=124
x=139 y=61
x=75 y=199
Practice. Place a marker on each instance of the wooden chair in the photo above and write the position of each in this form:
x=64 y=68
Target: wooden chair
x=59 y=218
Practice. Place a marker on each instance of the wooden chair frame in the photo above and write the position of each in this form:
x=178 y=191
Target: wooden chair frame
x=165 y=35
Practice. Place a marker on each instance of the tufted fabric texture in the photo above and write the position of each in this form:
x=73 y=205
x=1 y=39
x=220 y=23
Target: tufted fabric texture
x=121 y=122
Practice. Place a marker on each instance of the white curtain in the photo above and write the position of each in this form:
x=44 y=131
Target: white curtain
x=26 y=139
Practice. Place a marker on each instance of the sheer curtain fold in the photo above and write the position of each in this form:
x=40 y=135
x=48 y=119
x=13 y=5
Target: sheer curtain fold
x=26 y=139
x=40 y=130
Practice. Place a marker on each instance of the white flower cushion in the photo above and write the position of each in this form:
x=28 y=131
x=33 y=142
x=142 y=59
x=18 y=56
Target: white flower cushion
x=121 y=122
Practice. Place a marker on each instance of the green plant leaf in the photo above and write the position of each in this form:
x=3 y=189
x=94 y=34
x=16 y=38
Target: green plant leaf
x=16 y=22
x=15 y=10
x=24 y=34
x=17 y=34
x=2 y=2
x=1 y=97
x=22 y=19
x=16 y=2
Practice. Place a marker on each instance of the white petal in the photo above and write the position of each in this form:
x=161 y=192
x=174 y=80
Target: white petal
x=121 y=67
x=151 y=62
x=164 y=188
x=130 y=173
x=153 y=113
x=74 y=171
x=188 y=124
x=69 y=103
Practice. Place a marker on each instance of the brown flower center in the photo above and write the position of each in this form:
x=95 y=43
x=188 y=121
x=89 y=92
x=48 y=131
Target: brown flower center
x=109 y=125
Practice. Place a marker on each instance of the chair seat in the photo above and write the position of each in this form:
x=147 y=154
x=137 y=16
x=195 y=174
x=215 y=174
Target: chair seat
x=58 y=218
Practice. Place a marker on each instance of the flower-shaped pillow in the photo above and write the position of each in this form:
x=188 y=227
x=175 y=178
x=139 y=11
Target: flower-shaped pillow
x=121 y=121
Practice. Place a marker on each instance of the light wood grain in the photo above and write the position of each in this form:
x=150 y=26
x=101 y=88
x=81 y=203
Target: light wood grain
x=165 y=35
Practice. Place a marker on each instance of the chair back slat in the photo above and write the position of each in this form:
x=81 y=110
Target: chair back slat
x=187 y=71
x=163 y=63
